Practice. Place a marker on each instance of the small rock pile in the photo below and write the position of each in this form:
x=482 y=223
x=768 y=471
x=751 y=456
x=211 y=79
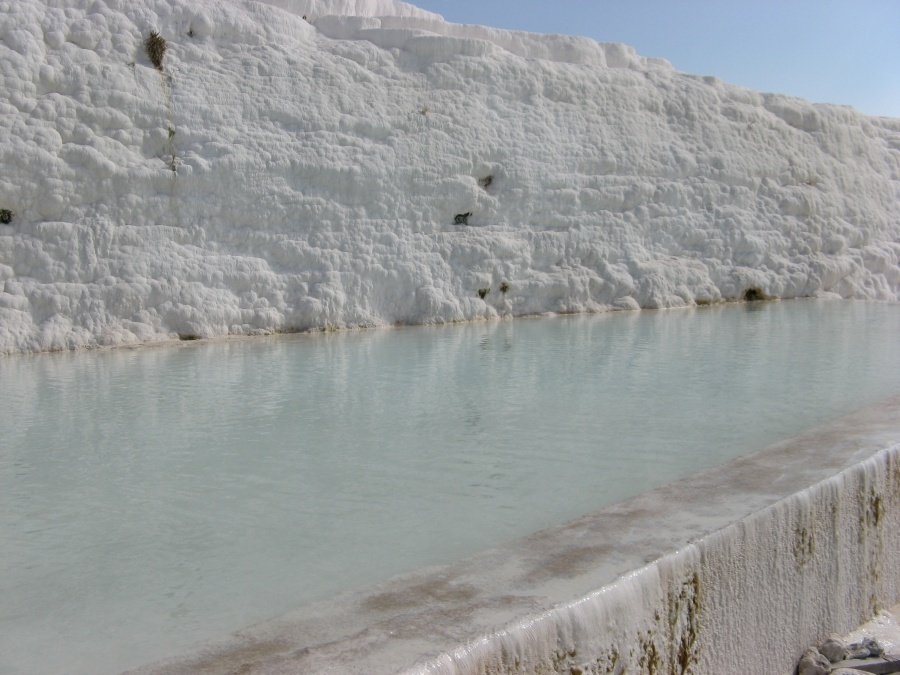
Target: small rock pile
x=835 y=657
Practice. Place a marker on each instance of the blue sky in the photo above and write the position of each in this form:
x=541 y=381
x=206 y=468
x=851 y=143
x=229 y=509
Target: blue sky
x=833 y=51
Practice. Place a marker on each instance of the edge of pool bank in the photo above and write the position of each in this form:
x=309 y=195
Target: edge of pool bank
x=735 y=569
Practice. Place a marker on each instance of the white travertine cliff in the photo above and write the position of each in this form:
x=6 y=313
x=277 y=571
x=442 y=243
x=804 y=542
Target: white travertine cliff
x=283 y=174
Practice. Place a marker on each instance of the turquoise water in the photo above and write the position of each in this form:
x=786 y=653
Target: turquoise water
x=153 y=498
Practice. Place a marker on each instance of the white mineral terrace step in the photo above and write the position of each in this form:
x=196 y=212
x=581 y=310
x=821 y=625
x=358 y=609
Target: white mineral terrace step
x=735 y=570
x=872 y=665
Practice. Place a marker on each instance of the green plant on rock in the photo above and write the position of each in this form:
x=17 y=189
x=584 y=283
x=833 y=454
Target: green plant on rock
x=754 y=294
x=6 y=216
x=156 y=46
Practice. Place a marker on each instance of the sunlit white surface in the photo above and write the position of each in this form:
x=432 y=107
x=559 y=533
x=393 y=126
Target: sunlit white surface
x=150 y=499
x=282 y=173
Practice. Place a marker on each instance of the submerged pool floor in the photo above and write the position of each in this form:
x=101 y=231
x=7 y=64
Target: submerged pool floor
x=151 y=499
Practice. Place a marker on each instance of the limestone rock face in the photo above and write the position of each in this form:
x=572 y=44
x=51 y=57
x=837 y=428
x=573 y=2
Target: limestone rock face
x=299 y=165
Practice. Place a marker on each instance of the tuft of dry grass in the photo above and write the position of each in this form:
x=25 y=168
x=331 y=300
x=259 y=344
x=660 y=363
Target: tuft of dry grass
x=155 y=44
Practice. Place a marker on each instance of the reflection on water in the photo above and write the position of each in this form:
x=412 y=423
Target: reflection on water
x=153 y=498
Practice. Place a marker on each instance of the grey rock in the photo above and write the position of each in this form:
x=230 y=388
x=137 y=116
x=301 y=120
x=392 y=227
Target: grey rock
x=813 y=663
x=834 y=649
x=864 y=649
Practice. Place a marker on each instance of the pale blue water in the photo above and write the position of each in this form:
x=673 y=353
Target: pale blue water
x=153 y=498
